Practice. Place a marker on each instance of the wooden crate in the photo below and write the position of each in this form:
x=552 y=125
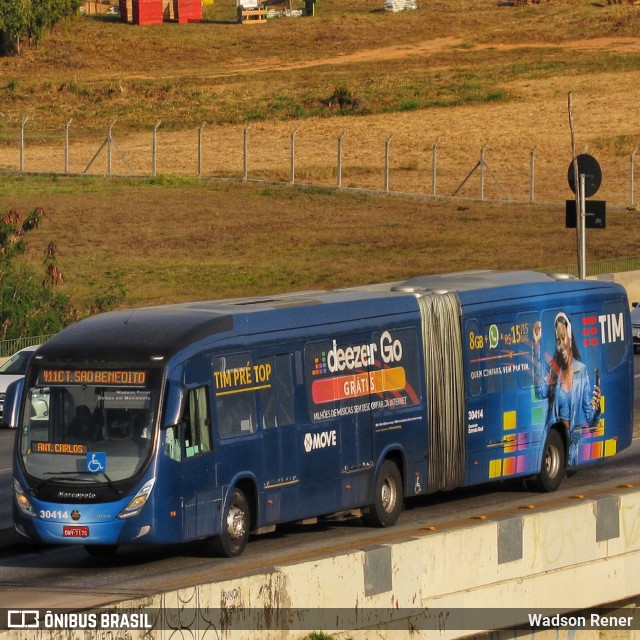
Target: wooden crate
x=252 y=16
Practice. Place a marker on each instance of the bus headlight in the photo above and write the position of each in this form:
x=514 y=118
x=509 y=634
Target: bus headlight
x=22 y=501
x=138 y=501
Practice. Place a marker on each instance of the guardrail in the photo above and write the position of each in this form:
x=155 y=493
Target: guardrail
x=9 y=347
x=599 y=267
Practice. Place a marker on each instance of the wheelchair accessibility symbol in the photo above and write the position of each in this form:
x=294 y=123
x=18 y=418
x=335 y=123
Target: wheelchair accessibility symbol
x=97 y=462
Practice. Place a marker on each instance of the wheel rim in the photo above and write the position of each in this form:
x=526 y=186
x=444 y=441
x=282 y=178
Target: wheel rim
x=388 y=495
x=552 y=462
x=236 y=522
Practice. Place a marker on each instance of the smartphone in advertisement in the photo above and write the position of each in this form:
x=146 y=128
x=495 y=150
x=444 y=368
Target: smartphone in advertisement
x=598 y=378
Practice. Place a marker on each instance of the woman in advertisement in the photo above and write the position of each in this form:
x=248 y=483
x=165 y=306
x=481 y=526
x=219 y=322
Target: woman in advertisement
x=571 y=399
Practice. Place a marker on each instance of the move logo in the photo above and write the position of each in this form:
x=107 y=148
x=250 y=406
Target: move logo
x=320 y=440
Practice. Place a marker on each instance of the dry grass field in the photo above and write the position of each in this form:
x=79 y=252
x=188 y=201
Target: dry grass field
x=467 y=74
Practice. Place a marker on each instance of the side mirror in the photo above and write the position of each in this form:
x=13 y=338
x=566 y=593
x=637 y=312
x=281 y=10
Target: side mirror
x=12 y=403
x=173 y=404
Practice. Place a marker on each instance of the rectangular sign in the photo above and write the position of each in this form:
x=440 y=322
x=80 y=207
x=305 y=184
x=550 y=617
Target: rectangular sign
x=75 y=532
x=595 y=214
x=92 y=376
x=70 y=448
x=347 y=376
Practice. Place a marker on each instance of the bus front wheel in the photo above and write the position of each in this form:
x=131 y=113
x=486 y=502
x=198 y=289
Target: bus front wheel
x=552 y=469
x=387 y=505
x=235 y=526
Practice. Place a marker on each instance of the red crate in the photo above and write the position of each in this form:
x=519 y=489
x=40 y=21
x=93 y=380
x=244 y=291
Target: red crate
x=189 y=10
x=147 y=12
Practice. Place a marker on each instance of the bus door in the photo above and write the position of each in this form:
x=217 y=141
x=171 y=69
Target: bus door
x=356 y=444
x=505 y=416
x=337 y=443
x=238 y=379
x=578 y=350
x=280 y=481
x=190 y=444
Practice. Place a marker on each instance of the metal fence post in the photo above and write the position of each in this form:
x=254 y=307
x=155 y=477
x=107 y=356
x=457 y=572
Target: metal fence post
x=292 y=172
x=109 y=147
x=386 y=163
x=154 y=148
x=24 y=122
x=245 y=153
x=434 y=165
x=582 y=263
x=200 y=149
x=339 y=170
x=632 y=160
x=532 y=175
x=66 y=146
x=481 y=163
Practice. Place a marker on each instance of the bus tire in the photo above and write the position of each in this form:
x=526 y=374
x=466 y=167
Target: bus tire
x=552 y=468
x=387 y=505
x=235 y=526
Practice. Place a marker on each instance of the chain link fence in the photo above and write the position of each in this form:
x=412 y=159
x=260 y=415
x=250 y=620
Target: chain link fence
x=400 y=162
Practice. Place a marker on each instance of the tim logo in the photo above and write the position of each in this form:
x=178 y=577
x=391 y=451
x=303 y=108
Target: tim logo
x=611 y=329
x=320 y=440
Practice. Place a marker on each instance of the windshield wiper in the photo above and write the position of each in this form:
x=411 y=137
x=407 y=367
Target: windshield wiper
x=110 y=483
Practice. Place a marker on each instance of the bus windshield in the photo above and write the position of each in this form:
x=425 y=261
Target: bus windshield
x=94 y=426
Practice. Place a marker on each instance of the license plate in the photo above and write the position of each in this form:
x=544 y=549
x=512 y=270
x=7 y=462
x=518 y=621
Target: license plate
x=75 y=532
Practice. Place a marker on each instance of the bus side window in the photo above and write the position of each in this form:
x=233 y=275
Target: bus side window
x=268 y=407
x=525 y=322
x=475 y=344
x=172 y=444
x=284 y=389
x=614 y=334
x=197 y=421
x=236 y=379
x=276 y=398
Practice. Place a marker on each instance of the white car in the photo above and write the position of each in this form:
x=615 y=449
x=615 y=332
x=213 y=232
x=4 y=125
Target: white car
x=635 y=326
x=13 y=369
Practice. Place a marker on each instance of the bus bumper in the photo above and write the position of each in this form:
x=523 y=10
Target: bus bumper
x=74 y=527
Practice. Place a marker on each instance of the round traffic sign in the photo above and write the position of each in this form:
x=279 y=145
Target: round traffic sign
x=588 y=166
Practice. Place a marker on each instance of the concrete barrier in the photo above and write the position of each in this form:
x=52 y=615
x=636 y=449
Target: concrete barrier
x=460 y=579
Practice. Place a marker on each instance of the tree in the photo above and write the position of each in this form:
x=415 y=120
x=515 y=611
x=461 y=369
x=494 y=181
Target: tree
x=19 y=18
x=14 y=22
x=29 y=305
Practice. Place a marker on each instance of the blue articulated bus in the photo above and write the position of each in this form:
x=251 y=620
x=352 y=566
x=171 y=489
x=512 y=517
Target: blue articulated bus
x=215 y=420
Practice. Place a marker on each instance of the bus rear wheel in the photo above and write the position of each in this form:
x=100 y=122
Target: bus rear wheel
x=552 y=469
x=387 y=505
x=235 y=526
